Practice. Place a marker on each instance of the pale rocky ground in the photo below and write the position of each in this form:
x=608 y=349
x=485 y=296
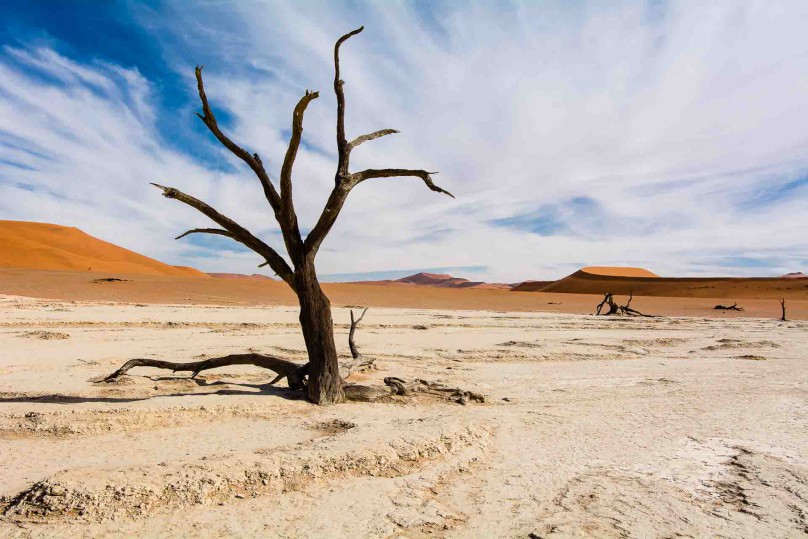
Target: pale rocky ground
x=603 y=427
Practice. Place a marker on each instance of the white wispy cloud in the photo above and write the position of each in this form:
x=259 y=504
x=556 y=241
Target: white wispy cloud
x=669 y=135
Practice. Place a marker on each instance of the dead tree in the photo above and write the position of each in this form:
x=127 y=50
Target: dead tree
x=614 y=308
x=733 y=307
x=608 y=299
x=321 y=376
x=783 y=306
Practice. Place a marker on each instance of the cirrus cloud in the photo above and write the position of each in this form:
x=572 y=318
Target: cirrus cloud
x=669 y=135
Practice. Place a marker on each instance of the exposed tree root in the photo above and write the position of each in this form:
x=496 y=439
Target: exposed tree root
x=733 y=307
x=397 y=386
x=296 y=374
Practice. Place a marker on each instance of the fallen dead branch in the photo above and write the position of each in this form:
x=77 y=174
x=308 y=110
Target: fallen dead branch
x=733 y=307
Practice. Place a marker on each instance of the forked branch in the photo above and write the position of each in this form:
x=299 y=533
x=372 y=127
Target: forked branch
x=236 y=231
x=344 y=181
x=358 y=361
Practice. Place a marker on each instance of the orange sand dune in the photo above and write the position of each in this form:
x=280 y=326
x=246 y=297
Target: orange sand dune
x=617 y=271
x=584 y=282
x=54 y=247
x=531 y=286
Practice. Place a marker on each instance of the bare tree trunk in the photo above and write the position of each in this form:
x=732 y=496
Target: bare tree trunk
x=325 y=383
x=783 y=306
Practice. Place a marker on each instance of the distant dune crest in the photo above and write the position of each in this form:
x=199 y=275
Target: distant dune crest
x=619 y=271
x=641 y=282
x=239 y=276
x=54 y=247
x=443 y=280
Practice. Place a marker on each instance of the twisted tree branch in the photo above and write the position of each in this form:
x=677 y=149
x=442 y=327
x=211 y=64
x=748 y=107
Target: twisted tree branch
x=236 y=231
x=284 y=369
x=351 y=344
x=370 y=136
x=344 y=181
x=287 y=204
x=253 y=161
x=217 y=231
x=343 y=150
x=359 y=177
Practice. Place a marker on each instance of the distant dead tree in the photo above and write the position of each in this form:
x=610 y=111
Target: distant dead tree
x=614 y=308
x=733 y=307
x=783 y=306
x=321 y=376
x=608 y=299
x=627 y=310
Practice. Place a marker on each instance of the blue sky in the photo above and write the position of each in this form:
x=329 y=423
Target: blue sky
x=668 y=135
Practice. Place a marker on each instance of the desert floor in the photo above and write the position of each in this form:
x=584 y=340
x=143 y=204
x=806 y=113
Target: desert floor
x=162 y=290
x=592 y=426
